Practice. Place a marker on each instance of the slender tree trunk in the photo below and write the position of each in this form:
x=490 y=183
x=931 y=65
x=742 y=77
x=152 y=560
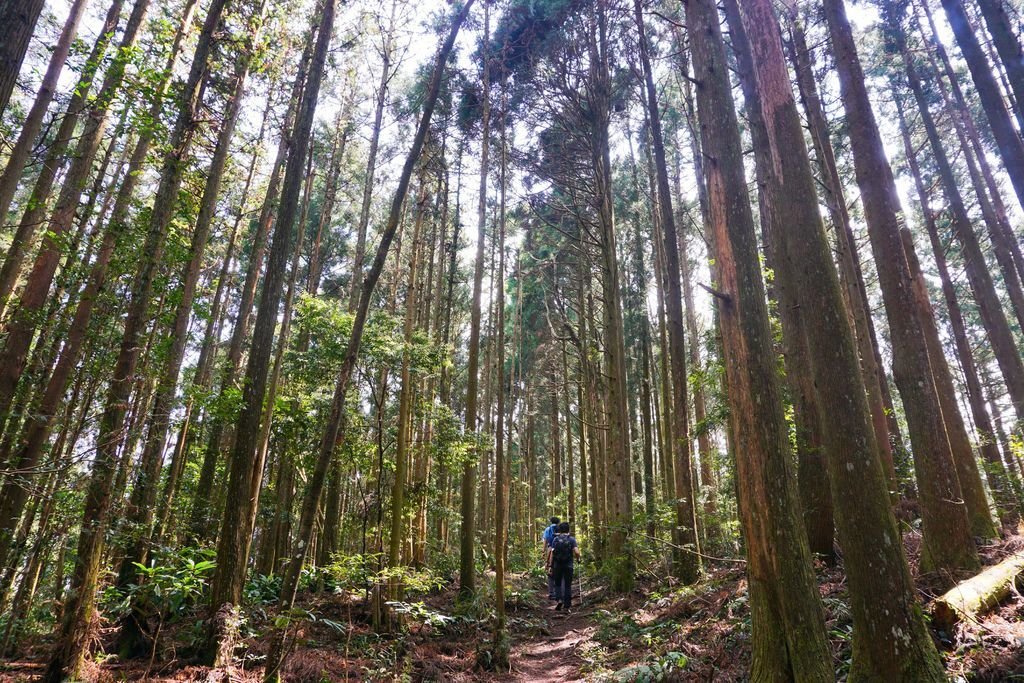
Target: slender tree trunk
x=1004 y=246
x=999 y=335
x=467 y=533
x=501 y=642
x=204 y=518
x=327 y=445
x=1007 y=46
x=236 y=531
x=686 y=563
x=73 y=640
x=1008 y=142
x=142 y=506
x=399 y=522
x=20 y=328
x=33 y=122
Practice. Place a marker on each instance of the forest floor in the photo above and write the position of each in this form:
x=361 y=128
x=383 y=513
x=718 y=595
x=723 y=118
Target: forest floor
x=657 y=632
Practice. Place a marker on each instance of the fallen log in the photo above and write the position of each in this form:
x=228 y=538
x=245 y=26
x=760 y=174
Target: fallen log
x=978 y=594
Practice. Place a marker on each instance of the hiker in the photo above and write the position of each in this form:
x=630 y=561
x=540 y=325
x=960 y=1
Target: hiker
x=564 y=550
x=548 y=536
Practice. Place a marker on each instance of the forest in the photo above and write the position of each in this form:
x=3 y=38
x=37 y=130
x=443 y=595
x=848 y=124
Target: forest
x=515 y=340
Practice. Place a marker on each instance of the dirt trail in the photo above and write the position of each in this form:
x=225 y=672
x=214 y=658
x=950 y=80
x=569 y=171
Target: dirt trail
x=554 y=658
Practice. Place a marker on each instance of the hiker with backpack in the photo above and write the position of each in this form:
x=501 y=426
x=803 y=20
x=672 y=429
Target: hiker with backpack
x=562 y=553
x=548 y=536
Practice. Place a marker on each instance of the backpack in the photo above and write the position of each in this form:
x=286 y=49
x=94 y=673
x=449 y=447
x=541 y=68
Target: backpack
x=561 y=549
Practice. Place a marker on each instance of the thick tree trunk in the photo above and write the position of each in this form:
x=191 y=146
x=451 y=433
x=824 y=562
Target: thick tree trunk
x=947 y=541
x=20 y=17
x=812 y=472
x=852 y=276
x=872 y=553
x=974 y=597
x=788 y=626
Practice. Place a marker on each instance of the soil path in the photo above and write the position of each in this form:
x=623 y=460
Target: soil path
x=555 y=657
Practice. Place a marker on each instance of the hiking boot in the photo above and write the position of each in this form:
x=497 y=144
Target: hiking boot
x=558 y=607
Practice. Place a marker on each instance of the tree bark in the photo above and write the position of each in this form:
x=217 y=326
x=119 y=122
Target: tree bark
x=946 y=533
x=467 y=533
x=1008 y=142
x=73 y=639
x=33 y=122
x=788 y=625
x=20 y=17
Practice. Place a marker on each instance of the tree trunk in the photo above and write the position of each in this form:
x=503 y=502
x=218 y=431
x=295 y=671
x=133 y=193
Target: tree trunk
x=982 y=422
x=20 y=326
x=686 y=562
x=978 y=513
x=236 y=530
x=788 y=625
x=33 y=122
x=812 y=472
x=1007 y=46
x=73 y=640
x=1000 y=337
x=851 y=272
x=872 y=553
x=467 y=533
x=1008 y=142
x=311 y=502
x=20 y=17
x=947 y=541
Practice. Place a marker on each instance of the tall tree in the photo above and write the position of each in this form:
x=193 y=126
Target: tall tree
x=467 y=538
x=947 y=541
x=788 y=626
x=311 y=502
x=1008 y=141
x=687 y=562
x=20 y=17
x=236 y=524
x=865 y=522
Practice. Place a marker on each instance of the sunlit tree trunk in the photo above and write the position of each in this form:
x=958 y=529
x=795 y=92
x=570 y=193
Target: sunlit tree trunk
x=788 y=626
x=947 y=541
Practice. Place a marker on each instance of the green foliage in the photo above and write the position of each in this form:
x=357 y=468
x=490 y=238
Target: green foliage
x=420 y=612
x=662 y=669
x=175 y=582
x=262 y=589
